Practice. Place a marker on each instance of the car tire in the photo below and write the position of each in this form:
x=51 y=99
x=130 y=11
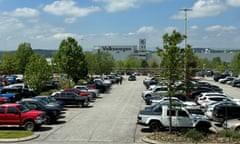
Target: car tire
x=237 y=129
x=48 y=120
x=85 y=103
x=203 y=127
x=29 y=125
x=155 y=126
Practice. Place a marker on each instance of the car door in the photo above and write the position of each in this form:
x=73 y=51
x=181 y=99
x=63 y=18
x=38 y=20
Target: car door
x=183 y=119
x=2 y=115
x=12 y=116
x=173 y=114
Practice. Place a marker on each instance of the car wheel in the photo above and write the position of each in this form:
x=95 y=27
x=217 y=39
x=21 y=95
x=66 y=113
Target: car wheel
x=237 y=129
x=29 y=125
x=155 y=126
x=48 y=119
x=85 y=103
x=203 y=127
x=148 y=96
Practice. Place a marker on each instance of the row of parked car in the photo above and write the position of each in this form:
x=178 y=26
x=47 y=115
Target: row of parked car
x=34 y=111
x=205 y=105
x=227 y=79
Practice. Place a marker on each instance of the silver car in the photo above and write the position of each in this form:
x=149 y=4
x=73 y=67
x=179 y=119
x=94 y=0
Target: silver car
x=95 y=92
x=232 y=124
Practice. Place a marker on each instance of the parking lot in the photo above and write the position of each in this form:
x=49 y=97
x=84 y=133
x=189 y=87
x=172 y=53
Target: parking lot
x=111 y=118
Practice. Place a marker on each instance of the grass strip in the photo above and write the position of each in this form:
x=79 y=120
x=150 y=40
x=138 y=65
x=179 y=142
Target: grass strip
x=7 y=134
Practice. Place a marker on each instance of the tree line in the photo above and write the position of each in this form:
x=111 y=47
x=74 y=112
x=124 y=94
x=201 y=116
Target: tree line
x=70 y=59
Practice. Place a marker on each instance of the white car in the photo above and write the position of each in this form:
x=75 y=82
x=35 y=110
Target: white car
x=232 y=124
x=155 y=91
x=175 y=100
x=206 y=100
x=201 y=98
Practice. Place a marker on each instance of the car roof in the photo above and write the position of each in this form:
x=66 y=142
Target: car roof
x=10 y=104
x=29 y=99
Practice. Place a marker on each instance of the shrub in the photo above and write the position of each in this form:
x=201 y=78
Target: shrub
x=194 y=135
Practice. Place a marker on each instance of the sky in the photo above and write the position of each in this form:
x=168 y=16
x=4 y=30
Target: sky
x=45 y=23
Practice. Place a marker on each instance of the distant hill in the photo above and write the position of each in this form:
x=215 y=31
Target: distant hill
x=46 y=53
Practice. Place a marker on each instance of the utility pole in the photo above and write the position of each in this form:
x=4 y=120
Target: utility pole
x=185 y=47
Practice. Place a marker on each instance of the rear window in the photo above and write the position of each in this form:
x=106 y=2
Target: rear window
x=173 y=112
x=2 y=110
x=216 y=99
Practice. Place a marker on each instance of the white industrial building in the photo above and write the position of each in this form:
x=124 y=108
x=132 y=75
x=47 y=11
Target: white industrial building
x=121 y=52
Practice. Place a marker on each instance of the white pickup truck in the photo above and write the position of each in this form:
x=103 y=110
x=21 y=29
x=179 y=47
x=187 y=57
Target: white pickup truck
x=157 y=118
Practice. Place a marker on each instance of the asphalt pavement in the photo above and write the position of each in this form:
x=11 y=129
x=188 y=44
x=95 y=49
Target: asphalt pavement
x=111 y=119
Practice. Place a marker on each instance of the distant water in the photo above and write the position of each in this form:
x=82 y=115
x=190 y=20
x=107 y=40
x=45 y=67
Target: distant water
x=227 y=57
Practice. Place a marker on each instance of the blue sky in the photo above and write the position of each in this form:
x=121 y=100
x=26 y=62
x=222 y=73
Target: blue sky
x=45 y=23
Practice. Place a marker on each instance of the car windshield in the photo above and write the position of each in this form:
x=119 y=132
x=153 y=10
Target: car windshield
x=43 y=102
x=44 y=99
x=51 y=99
x=23 y=108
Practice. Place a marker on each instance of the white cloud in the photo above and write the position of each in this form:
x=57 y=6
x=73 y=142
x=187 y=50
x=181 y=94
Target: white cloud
x=220 y=28
x=194 y=27
x=203 y=8
x=121 y=5
x=70 y=20
x=145 y=29
x=10 y=24
x=235 y=3
x=61 y=36
x=170 y=29
x=23 y=12
x=110 y=34
x=131 y=33
x=69 y=8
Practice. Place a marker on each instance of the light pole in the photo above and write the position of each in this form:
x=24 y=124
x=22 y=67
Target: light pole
x=185 y=46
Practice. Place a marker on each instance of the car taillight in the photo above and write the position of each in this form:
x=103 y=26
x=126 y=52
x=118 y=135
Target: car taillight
x=84 y=93
x=190 y=94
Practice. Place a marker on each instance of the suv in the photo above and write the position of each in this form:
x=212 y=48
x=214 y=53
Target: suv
x=157 y=118
x=52 y=113
x=18 y=114
x=225 y=112
x=155 y=91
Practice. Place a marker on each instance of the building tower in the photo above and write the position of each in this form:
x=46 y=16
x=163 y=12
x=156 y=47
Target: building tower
x=142 y=45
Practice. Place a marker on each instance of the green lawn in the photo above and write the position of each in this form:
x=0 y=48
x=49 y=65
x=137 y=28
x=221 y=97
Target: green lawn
x=5 y=134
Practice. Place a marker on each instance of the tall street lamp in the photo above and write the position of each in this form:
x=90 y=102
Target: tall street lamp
x=185 y=45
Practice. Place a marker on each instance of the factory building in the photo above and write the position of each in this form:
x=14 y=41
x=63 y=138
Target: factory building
x=122 y=52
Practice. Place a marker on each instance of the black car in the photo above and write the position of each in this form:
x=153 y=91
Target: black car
x=132 y=78
x=224 y=112
x=52 y=114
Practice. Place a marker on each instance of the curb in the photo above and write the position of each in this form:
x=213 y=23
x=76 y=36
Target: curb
x=150 y=141
x=19 y=139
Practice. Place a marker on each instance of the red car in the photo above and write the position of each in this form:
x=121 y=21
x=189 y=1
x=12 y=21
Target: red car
x=4 y=100
x=20 y=115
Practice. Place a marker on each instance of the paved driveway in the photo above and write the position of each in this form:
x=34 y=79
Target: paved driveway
x=111 y=119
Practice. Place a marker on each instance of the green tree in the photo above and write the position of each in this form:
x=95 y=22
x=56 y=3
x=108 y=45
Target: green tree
x=191 y=68
x=38 y=72
x=172 y=63
x=235 y=63
x=218 y=65
x=23 y=54
x=8 y=63
x=105 y=62
x=100 y=63
x=70 y=59
x=144 y=64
